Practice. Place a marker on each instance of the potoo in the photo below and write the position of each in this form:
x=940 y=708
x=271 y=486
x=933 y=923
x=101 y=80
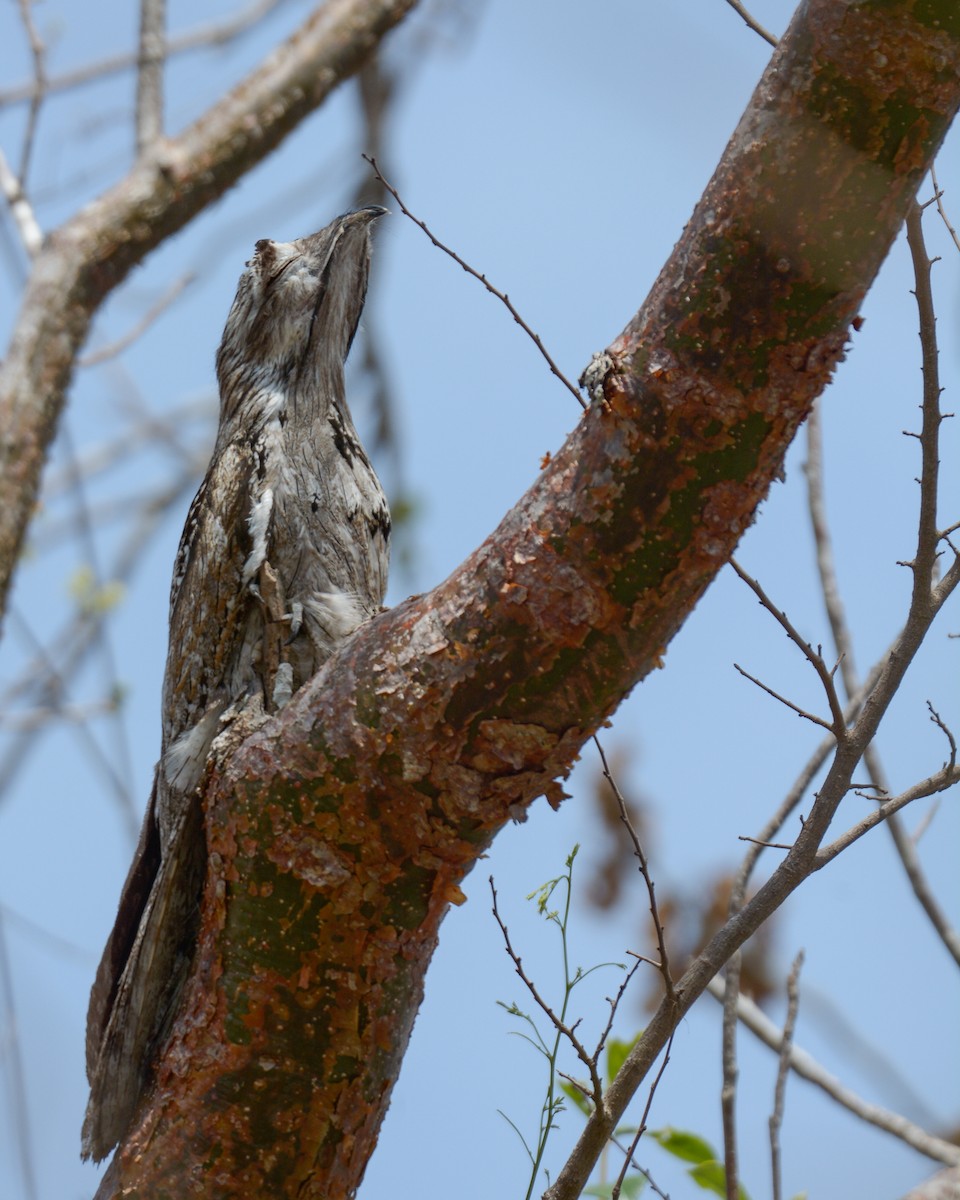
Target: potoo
x=284 y=553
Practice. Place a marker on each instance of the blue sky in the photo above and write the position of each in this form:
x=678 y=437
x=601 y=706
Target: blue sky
x=560 y=149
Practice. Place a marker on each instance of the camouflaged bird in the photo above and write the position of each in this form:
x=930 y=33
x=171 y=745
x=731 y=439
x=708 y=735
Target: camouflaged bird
x=284 y=553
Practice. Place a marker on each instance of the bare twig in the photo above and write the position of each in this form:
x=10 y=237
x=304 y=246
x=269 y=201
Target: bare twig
x=21 y=210
x=766 y=845
x=150 y=63
x=946 y=731
x=631 y=1159
x=924 y=562
x=804 y=1065
x=212 y=34
x=752 y=22
x=731 y=1075
x=112 y=349
x=948 y=776
x=614 y=1002
x=628 y=1157
x=786 y=1045
x=801 y=712
x=829 y=587
x=74 y=714
x=814 y=657
x=57 y=945
x=843 y=641
x=664 y=964
x=38 y=54
x=120 y=788
x=501 y=296
x=938 y=196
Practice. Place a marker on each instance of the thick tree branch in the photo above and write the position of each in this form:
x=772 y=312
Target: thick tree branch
x=174 y=179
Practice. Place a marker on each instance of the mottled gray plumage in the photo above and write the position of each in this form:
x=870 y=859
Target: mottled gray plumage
x=284 y=553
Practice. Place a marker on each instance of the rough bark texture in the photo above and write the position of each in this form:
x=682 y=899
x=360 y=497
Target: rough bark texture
x=82 y=262
x=339 y=831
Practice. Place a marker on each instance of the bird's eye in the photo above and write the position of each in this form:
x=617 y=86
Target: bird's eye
x=278 y=271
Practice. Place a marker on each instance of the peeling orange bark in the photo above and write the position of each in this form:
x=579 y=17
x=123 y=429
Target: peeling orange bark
x=339 y=831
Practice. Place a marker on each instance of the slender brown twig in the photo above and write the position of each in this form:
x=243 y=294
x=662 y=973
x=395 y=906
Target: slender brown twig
x=501 y=296
x=664 y=964
x=752 y=22
x=801 y=712
x=814 y=657
x=927 y=536
x=641 y=1129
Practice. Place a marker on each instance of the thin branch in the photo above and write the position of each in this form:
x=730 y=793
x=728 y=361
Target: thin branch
x=938 y=196
x=57 y=945
x=38 y=54
x=814 y=657
x=924 y=563
x=150 y=63
x=212 y=34
x=752 y=22
x=628 y=1157
x=112 y=349
x=31 y=236
x=829 y=587
x=804 y=1065
x=731 y=1074
x=945 y=778
x=638 y=1167
x=39 y=718
x=501 y=296
x=743 y=837
x=786 y=1045
x=801 y=712
x=122 y=792
x=614 y=1001
x=842 y=637
x=664 y=964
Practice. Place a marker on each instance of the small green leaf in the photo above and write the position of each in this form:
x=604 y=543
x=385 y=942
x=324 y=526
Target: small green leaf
x=712 y=1178
x=686 y=1146
x=617 y=1051
x=632 y=1186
